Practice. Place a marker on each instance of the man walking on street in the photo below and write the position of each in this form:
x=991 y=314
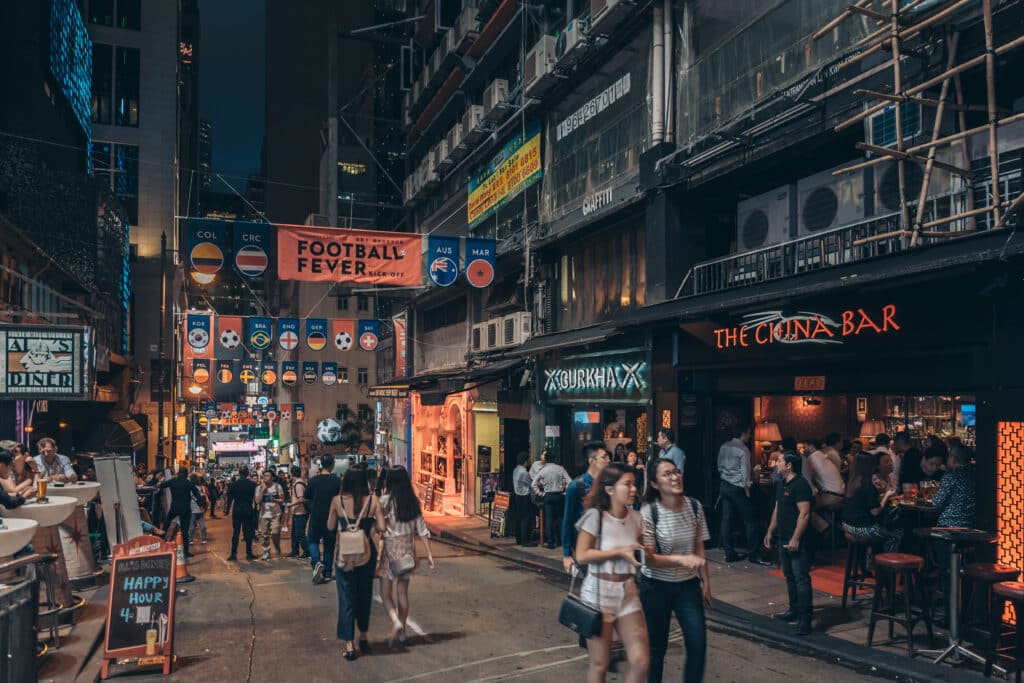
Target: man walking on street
x=319 y=493
x=300 y=514
x=183 y=492
x=271 y=497
x=526 y=511
x=669 y=450
x=551 y=481
x=734 y=493
x=243 y=513
x=597 y=457
x=791 y=516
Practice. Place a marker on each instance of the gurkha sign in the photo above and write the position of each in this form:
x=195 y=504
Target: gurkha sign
x=44 y=362
x=622 y=377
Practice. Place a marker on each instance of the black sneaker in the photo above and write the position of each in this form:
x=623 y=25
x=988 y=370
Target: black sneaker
x=804 y=628
x=753 y=558
x=318 y=573
x=789 y=616
x=232 y=558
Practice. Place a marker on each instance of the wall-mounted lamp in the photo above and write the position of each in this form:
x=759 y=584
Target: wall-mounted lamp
x=812 y=401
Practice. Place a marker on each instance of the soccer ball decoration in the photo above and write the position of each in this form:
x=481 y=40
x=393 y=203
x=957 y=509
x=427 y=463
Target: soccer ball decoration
x=328 y=431
x=343 y=340
x=229 y=339
x=198 y=337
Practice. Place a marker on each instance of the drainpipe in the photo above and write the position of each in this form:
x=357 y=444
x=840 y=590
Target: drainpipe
x=669 y=26
x=658 y=77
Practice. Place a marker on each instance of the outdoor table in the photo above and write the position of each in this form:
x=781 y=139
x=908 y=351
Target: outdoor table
x=958 y=538
x=916 y=514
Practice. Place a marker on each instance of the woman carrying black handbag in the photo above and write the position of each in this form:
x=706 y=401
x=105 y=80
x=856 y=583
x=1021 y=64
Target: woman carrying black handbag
x=609 y=541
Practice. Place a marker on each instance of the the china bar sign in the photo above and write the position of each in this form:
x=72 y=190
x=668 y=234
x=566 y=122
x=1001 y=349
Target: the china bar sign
x=44 y=362
x=806 y=327
x=596 y=377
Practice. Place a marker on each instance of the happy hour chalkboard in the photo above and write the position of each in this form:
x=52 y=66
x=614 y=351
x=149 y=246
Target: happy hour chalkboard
x=140 y=607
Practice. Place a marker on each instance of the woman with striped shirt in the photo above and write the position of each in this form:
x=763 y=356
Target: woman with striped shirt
x=674 y=577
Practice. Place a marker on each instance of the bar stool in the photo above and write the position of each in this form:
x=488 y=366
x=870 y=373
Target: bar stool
x=855 y=575
x=889 y=567
x=983 y=576
x=1003 y=592
x=46 y=574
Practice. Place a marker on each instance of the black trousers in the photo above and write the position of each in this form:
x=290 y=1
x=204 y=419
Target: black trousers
x=184 y=521
x=245 y=523
x=554 y=509
x=735 y=501
x=796 y=567
x=526 y=513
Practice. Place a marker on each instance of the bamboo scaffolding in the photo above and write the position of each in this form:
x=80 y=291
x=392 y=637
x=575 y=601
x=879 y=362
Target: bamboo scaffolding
x=880 y=237
x=846 y=13
x=906 y=99
x=957 y=217
x=865 y=11
x=901 y=166
x=907 y=156
x=1010 y=210
x=990 y=83
x=962 y=120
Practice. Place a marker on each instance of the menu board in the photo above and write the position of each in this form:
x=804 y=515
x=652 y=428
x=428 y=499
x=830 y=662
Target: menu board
x=499 y=510
x=428 y=500
x=140 y=607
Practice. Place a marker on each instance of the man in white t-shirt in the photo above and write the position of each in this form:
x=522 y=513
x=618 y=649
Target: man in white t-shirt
x=826 y=481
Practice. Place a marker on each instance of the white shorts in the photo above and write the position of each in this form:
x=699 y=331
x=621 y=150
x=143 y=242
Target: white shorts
x=617 y=598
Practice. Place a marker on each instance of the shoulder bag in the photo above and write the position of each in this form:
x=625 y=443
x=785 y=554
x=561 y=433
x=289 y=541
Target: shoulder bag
x=353 y=548
x=575 y=614
x=404 y=564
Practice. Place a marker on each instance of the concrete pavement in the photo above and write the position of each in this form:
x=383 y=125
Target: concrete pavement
x=474 y=618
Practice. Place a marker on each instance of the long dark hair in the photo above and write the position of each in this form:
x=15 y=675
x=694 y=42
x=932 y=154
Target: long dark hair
x=398 y=486
x=355 y=484
x=654 y=494
x=610 y=475
x=863 y=469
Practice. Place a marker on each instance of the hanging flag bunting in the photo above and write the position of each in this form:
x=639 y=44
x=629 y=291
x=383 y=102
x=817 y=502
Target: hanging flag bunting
x=480 y=255
x=260 y=333
x=198 y=331
x=299 y=411
x=344 y=330
x=248 y=373
x=201 y=370
x=252 y=245
x=443 y=260
x=401 y=343
x=205 y=241
x=229 y=332
x=329 y=373
x=375 y=257
x=289 y=372
x=316 y=333
x=286 y=411
x=268 y=372
x=369 y=334
x=224 y=372
x=288 y=333
x=309 y=372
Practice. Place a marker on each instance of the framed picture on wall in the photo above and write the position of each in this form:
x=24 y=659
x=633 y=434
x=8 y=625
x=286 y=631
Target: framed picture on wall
x=426 y=462
x=862 y=408
x=439 y=484
x=425 y=478
x=441 y=466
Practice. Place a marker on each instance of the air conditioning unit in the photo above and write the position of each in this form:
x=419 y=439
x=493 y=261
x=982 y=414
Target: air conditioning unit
x=570 y=43
x=478 y=338
x=492 y=334
x=431 y=167
x=606 y=15
x=471 y=124
x=763 y=221
x=454 y=138
x=515 y=328
x=538 y=66
x=417 y=90
x=496 y=99
x=942 y=183
x=826 y=201
x=438 y=57
x=442 y=153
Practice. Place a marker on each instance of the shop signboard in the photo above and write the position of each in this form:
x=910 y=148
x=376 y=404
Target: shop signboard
x=45 y=362
x=513 y=170
x=606 y=377
x=499 y=511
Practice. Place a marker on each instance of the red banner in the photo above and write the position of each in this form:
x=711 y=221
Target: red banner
x=401 y=340
x=344 y=255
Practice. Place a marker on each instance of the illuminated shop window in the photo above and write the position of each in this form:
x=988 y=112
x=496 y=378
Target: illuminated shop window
x=351 y=168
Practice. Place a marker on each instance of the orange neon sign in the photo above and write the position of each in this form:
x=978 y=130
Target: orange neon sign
x=805 y=327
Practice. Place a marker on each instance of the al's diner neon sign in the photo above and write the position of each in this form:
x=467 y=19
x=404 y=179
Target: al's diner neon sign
x=805 y=327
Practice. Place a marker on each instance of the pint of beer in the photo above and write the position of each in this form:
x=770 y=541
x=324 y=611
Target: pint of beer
x=41 y=485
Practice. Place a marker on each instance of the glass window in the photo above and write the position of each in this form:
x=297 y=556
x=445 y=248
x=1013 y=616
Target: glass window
x=342 y=411
x=363 y=376
x=364 y=412
x=342 y=303
x=126 y=102
x=129 y=14
x=118 y=167
x=343 y=375
x=101 y=12
x=363 y=303
x=102 y=82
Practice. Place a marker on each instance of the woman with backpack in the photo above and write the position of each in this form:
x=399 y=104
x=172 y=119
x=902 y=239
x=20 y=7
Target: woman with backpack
x=400 y=518
x=609 y=542
x=354 y=510
x=674 y=578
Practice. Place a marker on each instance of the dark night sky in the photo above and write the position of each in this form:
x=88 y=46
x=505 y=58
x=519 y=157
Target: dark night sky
x=232 y=84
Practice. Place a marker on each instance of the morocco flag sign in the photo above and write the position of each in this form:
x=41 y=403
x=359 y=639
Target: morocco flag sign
x=343 y=255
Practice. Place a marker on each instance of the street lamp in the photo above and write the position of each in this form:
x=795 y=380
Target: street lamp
x=195 y=390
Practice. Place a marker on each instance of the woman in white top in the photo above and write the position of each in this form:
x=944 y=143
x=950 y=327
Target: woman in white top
x=610 y=536
x=400 y=517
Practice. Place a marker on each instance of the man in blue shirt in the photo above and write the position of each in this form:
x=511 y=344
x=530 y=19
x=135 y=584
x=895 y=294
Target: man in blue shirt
x=669 y=450
x=597 y=457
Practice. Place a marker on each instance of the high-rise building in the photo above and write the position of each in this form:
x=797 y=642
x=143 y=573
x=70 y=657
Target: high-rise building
x=189 y=132
x=205 y=155
x=135 y=114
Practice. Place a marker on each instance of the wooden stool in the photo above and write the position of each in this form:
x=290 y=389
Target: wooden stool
x=1003 y=592
x=855 y=575
x=983 y=576
x=889 y=567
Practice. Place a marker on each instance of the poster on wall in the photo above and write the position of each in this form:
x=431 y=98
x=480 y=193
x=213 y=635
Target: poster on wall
x=45 y=362
x=441 y=466
x=483 y=458
x=511 y=171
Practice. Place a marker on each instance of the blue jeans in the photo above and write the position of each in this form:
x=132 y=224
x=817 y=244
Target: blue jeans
x=796 y=566
x=299 y=532
x=355 y=597
x=660 y=600
x=316 y=534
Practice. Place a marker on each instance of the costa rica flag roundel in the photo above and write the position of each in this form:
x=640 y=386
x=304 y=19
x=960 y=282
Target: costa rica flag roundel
x=251 y=261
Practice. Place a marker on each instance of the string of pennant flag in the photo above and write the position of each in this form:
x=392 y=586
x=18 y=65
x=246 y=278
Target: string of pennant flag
x=247 y=415
x=338 y=255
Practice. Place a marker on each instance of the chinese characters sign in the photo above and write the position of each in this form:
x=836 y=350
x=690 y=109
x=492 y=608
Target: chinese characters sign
x=44 y=362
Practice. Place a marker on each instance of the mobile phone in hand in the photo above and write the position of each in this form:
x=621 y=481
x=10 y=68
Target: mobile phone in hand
x=638 y=555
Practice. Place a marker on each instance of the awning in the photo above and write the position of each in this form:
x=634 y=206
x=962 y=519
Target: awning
x=117 y=435
x=561 y=340
x=492 y=371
